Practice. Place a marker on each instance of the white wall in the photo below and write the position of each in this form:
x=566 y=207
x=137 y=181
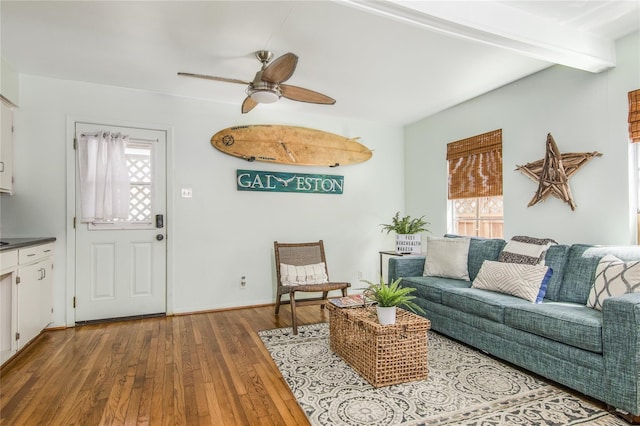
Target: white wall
x=584 y=112
x=220 y=234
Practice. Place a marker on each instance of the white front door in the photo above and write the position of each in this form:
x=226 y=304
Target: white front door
x=121 y=265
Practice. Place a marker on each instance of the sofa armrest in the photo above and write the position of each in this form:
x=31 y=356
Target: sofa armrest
x=621 y=350
x=405 y=266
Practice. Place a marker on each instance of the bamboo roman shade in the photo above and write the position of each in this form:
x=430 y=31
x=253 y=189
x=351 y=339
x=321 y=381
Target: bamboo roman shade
x=634 y=115
x=475 y=166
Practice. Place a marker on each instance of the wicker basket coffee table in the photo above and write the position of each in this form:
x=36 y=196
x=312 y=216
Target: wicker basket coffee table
x=383 y=354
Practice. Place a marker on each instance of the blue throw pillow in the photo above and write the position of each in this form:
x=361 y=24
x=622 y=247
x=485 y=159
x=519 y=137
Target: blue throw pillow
x=543 y=285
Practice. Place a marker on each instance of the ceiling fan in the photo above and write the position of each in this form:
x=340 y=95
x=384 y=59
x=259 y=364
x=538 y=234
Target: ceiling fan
x=267 y=86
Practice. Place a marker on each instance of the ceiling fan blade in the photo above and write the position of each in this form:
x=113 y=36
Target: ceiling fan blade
x=248 y=105
x=210 y=77
x=281 y=69
x=305 y=95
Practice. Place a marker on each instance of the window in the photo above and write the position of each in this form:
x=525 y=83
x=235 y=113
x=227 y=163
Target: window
x=634 y=116
x=634 y=136
x=478 y=217
x=475 y=185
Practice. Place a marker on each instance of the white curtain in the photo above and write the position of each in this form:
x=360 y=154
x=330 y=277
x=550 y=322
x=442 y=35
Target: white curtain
x=104 y=177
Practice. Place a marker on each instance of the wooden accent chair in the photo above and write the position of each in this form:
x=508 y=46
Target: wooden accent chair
x=297 y=255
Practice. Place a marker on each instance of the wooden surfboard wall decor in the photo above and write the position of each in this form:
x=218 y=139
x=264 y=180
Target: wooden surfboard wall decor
x=290 y=145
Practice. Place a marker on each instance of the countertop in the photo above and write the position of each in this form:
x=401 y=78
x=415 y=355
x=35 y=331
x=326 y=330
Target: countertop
x=16 y=243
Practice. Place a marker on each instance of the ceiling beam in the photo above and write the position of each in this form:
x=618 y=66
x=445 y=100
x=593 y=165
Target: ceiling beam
x=496 y=24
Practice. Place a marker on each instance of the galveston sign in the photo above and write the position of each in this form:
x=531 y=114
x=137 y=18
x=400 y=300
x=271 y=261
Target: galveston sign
x=253 y=180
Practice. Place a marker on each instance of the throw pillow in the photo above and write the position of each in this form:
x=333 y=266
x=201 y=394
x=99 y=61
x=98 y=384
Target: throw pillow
x=614 y=277
x=527 y=282
x=527 y=250
x=304 y=274
x=447 y=257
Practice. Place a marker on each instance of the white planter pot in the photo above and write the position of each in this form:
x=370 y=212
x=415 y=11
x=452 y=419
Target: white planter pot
x=409 y=243
x=386 y=315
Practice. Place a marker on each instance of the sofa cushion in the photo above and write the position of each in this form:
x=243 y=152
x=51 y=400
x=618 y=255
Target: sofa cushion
x=527 y=250
x=525 y=281
x=556 y=259
x=431 y=288
x=447 y=257
x=569 y=323
x=614 y=278
x=483 y=303
x=580 y=269
x=480 y=249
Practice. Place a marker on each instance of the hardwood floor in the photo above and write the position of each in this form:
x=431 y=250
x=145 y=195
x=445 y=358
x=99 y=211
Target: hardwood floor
x=200 y=369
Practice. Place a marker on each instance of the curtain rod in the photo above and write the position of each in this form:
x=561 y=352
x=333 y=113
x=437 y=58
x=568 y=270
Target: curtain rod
x=131 y=139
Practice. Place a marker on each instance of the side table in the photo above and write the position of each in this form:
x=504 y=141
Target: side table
x=388 y=253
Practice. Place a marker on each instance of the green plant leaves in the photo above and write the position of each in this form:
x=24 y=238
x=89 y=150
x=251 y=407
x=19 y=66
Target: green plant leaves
x=392 y=295
x=405 y=225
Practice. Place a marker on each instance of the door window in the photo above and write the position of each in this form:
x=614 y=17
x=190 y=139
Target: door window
x=139 y=155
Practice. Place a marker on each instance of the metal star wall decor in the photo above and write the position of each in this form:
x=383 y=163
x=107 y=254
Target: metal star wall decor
x=553 y=172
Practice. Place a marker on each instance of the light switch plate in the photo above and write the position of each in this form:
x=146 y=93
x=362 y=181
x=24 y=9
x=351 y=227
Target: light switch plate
x=186 y=193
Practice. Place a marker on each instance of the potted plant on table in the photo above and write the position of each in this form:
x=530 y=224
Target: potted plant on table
x=388 y=297
x=405 y=229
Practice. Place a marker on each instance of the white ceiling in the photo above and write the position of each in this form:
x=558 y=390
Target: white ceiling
x=387 y=61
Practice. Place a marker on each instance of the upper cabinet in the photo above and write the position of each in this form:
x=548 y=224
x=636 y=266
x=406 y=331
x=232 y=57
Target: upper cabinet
x=9 y=84
x=9 y=99
x=6 y=148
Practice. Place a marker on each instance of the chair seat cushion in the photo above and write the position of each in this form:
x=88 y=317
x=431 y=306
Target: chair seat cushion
x=315 y=287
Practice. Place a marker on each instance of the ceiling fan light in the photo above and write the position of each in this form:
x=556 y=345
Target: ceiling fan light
x=265 y=96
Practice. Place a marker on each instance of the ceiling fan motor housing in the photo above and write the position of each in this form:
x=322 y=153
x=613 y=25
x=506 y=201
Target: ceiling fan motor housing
x=264 y=92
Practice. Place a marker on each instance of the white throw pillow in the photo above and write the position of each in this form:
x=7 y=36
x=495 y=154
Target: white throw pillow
x=614 y=277
x=527 y=282
x=305 y=274
x=447 y=257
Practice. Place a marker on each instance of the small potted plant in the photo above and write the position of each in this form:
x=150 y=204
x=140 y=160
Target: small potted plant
x=406 y=228
x=388 y=297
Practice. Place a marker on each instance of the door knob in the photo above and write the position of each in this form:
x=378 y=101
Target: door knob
x=159 y=237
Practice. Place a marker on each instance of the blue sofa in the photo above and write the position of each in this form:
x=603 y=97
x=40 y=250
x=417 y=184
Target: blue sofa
x=594 y=352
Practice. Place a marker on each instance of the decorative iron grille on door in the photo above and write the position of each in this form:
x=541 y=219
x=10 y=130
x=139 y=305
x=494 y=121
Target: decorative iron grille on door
x=140 y=180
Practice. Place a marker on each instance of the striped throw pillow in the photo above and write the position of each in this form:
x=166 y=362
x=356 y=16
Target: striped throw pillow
x=526 y=250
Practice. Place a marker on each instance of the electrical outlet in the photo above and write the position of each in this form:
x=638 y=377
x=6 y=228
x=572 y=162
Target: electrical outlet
x=360 y=275
x=243 y=281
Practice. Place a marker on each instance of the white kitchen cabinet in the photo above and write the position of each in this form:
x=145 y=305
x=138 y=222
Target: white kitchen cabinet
x=26 y=296
x=34 y=284
x=6 y=148
x=28 y=303
x=9 y=264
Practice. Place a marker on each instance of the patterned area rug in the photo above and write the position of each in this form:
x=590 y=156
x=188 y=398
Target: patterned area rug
x=464 y=387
